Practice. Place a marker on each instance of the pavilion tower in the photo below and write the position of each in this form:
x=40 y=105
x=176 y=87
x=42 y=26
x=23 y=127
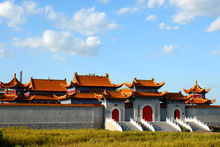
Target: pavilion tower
x=197 y=95
x=12 y=91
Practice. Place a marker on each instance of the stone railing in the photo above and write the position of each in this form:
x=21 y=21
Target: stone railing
x=111 y=124
x=133 y=122
x=173 y=124
x=147 y=124
x=198 y=122
x=182 y=123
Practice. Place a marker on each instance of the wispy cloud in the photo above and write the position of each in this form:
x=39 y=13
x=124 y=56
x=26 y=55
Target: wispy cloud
x=215 y=52
x=3 y=51
x=154 y=3
x=58 y=57
x=214 y=26
x=151 y=17
x=169 y=49
x=104 y=1
x=127 y=10
x=189 y=9
x=163 y=26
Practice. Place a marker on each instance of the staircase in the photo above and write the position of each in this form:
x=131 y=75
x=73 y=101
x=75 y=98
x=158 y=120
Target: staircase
x=163 y=126
x=144 y=127
x=196 y=128
x=127 y=126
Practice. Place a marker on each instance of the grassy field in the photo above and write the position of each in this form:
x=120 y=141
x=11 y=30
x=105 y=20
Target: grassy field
x=92 y=137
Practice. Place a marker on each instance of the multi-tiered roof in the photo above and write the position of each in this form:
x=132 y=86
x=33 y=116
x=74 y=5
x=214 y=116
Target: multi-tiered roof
x=14 y=83
x=97 y=87
x=36 y=90
x=197 y=95
x=13 y=90
x=196 y=89
x=146 y=88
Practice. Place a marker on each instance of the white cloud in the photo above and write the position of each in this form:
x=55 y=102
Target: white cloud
x=141 y=2
x=15 y=15
x=58 y=57
x=85 y=21
x=2 y=53
x=189 y=9
x=62 y=42
x=151 y=17
x=215 y=52
x=169 y=49
x=31 y=8
x=214 y=26
x=104 y=1
x=162 y=26
x=153 y=3
x=127 y=10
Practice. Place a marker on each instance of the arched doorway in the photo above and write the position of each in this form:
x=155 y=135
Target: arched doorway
x=115 y=115
x=177 y=114
x=147 y=113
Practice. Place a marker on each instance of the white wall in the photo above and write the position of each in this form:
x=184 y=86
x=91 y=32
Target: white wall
x=172 y=106
x=206 y=114
x=110 y=106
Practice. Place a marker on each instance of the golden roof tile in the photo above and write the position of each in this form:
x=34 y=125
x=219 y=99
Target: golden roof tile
x=144 y=83
x=196 y=89
x=93 y=81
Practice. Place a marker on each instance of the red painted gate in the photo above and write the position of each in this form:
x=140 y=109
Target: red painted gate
x=115 y=115
x=177 y=114
x=147 y=113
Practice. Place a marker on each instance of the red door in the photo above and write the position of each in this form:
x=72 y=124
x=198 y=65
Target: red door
x=115 y=115
x=177 y=114
x=147 y=113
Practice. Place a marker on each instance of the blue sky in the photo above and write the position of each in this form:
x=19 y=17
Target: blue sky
x=170 y=40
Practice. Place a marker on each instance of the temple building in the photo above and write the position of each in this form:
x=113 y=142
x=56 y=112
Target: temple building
x=93 y=89
x=146 y=99
x=45 y=90
x=197 y=96
x=12 y=91
x=36 y=91
x=173 y=105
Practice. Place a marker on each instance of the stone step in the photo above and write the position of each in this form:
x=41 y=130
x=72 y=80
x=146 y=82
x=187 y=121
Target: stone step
x=195 y=127
x=144 y=127
x=163 y=126
x=127 y=126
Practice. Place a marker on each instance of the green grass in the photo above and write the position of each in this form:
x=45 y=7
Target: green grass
x=91 y=137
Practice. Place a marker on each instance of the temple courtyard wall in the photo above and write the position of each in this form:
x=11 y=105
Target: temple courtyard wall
x=207 y=114
x=52 y=116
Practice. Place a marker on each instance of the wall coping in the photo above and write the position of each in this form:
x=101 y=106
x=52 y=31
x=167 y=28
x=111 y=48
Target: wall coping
x=54 y=105
x=204 y=106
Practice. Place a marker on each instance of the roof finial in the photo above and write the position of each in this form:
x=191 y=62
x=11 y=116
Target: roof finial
x=14 y=75
x=196 y=82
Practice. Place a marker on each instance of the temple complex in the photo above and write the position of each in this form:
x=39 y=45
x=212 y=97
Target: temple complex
x=141 y=100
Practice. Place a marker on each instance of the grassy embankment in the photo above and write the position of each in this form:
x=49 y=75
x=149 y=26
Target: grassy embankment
x=92 y=137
